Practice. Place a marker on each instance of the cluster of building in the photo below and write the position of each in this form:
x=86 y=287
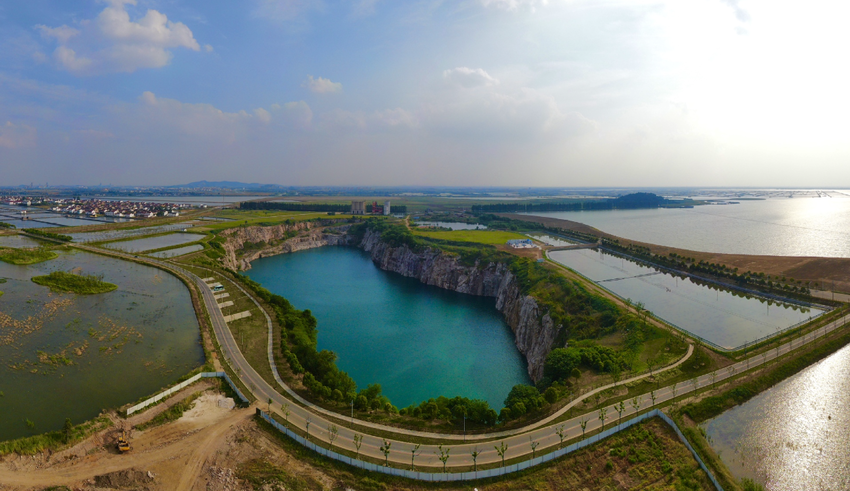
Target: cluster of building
x=120 y=209
x=521 y=244
x=20 y=200
x=361 y=208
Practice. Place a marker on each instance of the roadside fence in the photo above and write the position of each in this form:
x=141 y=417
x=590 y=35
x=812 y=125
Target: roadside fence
x=182 y=385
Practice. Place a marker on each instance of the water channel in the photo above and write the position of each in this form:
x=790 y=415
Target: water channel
x=417 y=341
x=69 y=356
x=726 y=318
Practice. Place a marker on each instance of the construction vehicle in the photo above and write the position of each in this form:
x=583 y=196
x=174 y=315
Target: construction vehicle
x=123 y=445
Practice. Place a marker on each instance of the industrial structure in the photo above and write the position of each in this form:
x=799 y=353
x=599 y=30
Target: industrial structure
x=357 y=208
x=387 y=207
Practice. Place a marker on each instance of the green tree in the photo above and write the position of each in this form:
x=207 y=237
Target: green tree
x=413 y=451
x=534 y=445
x=551 y=395
x=385 y=449
x=67 y=430
x=474 y=453
x=576 y=374
x=560 y=363
x=583 y=423
x=603 y=413
x=559 y=430
x=358 y=440
x=333 y=432
x=444 y=456
x=501 y=449
x=621 y=408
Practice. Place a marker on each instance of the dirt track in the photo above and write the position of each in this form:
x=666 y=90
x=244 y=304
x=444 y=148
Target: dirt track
x=826 y=270
x=174 y=453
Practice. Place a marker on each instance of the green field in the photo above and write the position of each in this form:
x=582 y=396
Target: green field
x=491 y=237
x=26 y=256
x=264 y=218
x=74 y=283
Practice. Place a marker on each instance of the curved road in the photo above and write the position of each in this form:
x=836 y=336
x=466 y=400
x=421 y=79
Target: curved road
x=518 y=441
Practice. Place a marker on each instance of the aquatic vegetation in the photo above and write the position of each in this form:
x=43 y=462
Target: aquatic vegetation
x=73 y=283
x=26 y=256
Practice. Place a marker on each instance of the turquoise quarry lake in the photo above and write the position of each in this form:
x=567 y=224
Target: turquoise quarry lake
x=69 y=356
x=779 y=227
x=417 y=341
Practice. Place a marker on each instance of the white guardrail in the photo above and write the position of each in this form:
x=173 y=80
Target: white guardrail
x=182 y=385
x=488 y=473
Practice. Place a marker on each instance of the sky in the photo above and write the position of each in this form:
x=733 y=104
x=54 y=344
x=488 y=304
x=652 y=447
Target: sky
x=425 y=92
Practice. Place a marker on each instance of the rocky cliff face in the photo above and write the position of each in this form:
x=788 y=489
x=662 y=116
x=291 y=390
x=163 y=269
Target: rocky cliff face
x=534 y=330
x=309 y=237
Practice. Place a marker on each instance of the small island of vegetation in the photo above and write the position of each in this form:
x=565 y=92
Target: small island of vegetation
x=27 y=256
x=74 y=283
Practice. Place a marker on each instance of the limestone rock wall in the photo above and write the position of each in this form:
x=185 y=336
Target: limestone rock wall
x=310 y=236
x=534 y=330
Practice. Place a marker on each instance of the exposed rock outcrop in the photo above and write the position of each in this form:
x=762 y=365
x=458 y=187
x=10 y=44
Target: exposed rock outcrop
x=534 y=330
x=278 y=240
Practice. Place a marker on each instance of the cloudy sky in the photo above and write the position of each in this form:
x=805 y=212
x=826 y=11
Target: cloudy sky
x=426 y=92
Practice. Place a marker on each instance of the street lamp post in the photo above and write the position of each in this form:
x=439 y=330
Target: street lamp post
x=464 y=427
x=352 y=412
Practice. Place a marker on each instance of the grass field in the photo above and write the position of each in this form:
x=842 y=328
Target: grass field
x=26 y=256
x=491 y=237
x=74 y=283
x=263 y=217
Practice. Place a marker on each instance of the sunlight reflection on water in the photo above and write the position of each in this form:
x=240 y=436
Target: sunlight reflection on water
x=794 y=436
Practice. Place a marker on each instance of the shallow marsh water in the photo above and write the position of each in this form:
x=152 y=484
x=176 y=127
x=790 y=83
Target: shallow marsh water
x=69 y=356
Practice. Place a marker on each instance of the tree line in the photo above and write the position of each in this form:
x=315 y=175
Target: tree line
x=628 y=201
x=320 y=207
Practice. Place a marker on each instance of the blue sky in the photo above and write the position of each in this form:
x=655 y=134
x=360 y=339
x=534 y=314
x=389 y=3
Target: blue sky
x=385 y=92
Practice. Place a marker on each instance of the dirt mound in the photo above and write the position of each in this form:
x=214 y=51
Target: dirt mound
x=126 y=479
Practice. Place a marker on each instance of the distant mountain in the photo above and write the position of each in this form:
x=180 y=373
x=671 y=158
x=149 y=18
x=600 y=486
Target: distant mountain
x=227 y=185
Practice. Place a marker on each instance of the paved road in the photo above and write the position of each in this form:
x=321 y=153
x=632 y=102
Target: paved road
x=518 y=441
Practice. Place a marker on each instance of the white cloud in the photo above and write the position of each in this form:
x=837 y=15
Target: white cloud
x=296 y=113
x=61 y=33
x=262 y=115
x=469 y=77
x=321 y=85
x=16 y=135
x=115 y=43
x=512 y=5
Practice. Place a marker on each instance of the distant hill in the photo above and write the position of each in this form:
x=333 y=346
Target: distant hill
x=227 y=185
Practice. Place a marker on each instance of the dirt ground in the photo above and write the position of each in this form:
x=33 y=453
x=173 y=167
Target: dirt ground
x=828 y=271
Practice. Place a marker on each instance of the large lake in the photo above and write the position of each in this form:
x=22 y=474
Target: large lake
x=726 y=318
x=417 y=341
x=69 y=356
x=780 y=227
x=795 y=436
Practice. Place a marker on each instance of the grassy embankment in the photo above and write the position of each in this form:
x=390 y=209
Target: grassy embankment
x=645 y=456
x=54 y=440
x=73 y=283
x=486 y=237
x=27 y=256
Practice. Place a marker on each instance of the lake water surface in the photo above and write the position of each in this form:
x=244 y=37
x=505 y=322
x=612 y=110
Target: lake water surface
x=794 y=436
x=69 y=356
x=417 y=341
x=779 y=227
x=725 y=318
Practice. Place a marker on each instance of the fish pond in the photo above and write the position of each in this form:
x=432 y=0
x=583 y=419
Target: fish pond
x=18 y=242
x=794 y=436
x=70 y=356
x=726 y=318
x=417 y=341
x=151 y=243
x=179 y=251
